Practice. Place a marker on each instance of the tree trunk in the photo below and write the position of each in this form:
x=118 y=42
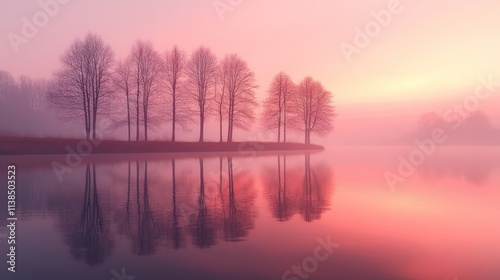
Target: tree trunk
x=284 y=120
x=230 y=131
x=279 y=128
x=229 y=119
x=128 y=113
x=137 y=113
x=94 y=122
x=220 y=126
x=173 y=113
x=230 y=122
x=202 y=124
x=145 y=124
x=86 y=109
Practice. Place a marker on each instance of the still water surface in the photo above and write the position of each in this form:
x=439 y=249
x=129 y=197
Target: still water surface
x=270 y=216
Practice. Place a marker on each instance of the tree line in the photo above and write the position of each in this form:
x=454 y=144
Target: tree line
x=147 y=89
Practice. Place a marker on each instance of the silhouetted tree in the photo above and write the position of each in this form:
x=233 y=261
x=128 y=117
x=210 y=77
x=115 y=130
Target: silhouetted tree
x=124 y=83
x=220 y=100
x=239 y=85
x=277 y=104
x=313 y=109
x=147 y=68
x=80 y=89
x=173 y=69
x=201 y=70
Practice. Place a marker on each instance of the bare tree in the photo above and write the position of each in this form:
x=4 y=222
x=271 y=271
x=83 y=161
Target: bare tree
x=201 y=70
x=8 y=86
x=277 y=104
x=239 y=84
x=9 y=89
x=147 y=68
x=33 y=91
x=124 y=82
x=80 y=89
x=173 y=68
x=313 y=110
x=220 y=100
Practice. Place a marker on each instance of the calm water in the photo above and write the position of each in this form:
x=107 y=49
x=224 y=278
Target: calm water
x=329 y=215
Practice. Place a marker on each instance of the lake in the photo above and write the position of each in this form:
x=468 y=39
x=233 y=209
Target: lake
x=327 y=215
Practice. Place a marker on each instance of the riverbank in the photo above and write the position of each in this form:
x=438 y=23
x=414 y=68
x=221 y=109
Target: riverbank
x=39 y=146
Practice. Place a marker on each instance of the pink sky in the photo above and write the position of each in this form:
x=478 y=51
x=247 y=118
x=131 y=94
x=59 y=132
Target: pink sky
x=428 y=57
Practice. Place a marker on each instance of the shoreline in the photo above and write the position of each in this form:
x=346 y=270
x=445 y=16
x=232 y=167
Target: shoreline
x=58 y=146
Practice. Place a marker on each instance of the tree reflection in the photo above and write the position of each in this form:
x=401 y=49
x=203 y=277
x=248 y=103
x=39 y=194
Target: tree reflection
x=226 y=212
x=148 y=231
x=282 y=212
x=203 y=229
x=175 y=232
x=312 y=200
x=125 y=226
x=238 y=209
x=298 y=190
x=91 y=239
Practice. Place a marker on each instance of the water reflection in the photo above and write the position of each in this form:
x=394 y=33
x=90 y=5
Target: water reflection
x=203 y=209
x=207 y=210
x=203 y=227
x=473 y=165
x=300 y=189
x=175 y=231
x=230 y=217
x=145 y=238
x=238 y=209
x=89 y=237
x=124 y=225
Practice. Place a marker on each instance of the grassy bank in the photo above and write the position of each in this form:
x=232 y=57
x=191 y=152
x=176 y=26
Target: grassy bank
x=36 y=146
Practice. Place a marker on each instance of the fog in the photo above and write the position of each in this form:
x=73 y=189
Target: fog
x=25 y=112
